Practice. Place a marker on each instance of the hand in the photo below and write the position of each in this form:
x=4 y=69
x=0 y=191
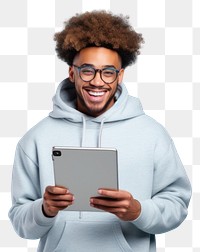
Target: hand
x=121 y=203
x=56 y=199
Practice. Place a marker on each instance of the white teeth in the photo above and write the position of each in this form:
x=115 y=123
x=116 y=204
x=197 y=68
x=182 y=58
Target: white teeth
x=96 y=93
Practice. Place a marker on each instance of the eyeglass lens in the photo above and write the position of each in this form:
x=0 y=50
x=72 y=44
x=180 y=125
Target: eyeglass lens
x=108 y=75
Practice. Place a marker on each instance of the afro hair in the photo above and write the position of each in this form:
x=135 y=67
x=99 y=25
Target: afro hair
x=100 y=29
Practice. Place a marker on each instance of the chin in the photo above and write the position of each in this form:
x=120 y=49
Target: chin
x=95 y=111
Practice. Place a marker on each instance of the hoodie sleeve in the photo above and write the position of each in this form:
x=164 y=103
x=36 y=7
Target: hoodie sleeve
x=26 y=212
x=171 y=194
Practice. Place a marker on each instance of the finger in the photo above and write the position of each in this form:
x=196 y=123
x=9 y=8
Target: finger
x=53 y=210
x=113 y=210
x=55 y=206
x=116 y=194
x=56 y=190
x=110 y=203
x=59 y=204
x=61 y=197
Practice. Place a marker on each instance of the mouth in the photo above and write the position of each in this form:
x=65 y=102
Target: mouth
x=96 y=95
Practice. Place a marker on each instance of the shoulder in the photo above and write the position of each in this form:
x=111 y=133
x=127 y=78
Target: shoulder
x=153 y=132
x=37 y=131
x=152 y=126
x=162 y=138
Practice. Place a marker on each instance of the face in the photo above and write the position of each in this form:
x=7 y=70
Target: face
x=95 y=97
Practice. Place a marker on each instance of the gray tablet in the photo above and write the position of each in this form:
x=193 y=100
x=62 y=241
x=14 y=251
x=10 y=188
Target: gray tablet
x=84 y=171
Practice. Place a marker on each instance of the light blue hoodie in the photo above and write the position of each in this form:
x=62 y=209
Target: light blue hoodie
x=149 y=168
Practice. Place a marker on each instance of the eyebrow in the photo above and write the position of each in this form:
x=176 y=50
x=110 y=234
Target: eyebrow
x=104 y=66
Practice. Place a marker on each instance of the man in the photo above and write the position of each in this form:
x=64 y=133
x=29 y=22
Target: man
x=92 y=108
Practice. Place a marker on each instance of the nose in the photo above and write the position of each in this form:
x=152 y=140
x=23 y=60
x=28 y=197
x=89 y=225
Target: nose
x=97 y=81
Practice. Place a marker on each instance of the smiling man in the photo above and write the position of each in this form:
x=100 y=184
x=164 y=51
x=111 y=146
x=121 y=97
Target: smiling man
x=92 y=108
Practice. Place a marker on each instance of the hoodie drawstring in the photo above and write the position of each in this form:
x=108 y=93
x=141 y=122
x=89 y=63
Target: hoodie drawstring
x=100 y=132
x=84 y=131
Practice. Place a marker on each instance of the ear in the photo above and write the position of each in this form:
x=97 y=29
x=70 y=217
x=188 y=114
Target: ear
x=121 y=75
x=71 y=74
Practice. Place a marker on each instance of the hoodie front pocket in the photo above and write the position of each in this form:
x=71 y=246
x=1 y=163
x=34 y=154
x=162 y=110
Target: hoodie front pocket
x=90 y=236
x=119 y=236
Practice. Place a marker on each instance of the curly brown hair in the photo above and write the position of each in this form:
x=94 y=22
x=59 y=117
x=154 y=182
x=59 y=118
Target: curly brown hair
x=101 y=29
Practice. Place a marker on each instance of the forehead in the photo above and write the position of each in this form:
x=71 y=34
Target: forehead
x=98 y=56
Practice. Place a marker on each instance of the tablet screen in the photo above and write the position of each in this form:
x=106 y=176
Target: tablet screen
x=83 y=171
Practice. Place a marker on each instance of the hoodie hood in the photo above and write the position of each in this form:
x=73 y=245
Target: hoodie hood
x=64 y=105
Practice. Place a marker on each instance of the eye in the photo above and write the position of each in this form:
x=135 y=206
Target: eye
x=87 y=71
x=108 y=72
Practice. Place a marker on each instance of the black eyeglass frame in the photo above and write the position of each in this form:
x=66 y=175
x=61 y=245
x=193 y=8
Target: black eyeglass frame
x=95 y=72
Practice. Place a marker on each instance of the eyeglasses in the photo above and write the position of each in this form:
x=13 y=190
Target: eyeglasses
x=88 y=73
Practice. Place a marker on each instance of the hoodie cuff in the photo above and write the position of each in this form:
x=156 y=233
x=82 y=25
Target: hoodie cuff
x=143 y=222
x=39 y=217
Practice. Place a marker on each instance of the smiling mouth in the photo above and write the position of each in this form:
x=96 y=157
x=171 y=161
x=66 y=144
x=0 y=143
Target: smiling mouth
x=96 y=93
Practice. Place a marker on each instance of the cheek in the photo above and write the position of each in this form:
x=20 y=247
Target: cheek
x=78 y=86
